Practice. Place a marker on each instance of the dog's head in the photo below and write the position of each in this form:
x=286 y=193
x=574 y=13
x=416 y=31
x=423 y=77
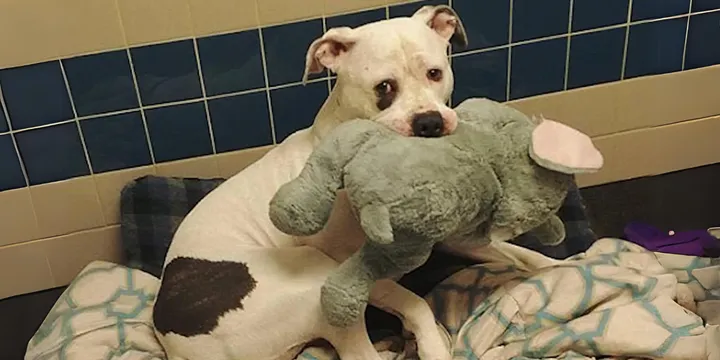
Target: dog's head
x=395 y=71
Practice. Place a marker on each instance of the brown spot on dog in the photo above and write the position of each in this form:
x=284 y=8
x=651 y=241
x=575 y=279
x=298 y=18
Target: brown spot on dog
x=195 y=293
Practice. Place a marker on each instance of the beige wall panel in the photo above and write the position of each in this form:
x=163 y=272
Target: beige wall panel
x=69 y=254
x=110 y=185
x=87 y=26
x=658 y=150
x=21 y=44
x=147 y=21
x=273 y=12
x=217 y=16
x=333 y=7
x=231 y=163
x=67 y=206
x=17 y=217
x=632 y=104
x=23 y=269
x=201 y=167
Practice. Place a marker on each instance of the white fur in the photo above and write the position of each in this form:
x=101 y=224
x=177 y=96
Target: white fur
x=282 y=313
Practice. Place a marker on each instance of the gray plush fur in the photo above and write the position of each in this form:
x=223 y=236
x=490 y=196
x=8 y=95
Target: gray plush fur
x=477 y=185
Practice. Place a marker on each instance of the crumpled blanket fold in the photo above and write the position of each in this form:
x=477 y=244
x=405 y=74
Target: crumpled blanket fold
x=616 y=300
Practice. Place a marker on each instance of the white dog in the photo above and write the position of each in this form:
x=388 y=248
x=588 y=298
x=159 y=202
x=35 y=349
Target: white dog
x=234 y=287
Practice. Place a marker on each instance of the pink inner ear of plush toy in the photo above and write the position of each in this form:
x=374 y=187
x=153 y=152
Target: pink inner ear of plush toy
x=561 y=148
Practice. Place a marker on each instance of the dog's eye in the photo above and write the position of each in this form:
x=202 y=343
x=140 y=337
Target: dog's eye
x=384 y=88
x=435 y=74
x=385 y=91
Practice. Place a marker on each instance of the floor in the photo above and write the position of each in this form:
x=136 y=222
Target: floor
x=21 y=316
x=688 y=199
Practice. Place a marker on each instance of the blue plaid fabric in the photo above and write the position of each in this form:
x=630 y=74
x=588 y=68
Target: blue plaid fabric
x=579 y=236
x=152 y=208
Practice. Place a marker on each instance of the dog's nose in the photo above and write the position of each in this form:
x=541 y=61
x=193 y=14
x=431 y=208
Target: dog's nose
x=429 y=124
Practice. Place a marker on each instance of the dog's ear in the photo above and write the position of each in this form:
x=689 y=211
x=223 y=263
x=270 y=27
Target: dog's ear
x=445 y=21
x=328 y=51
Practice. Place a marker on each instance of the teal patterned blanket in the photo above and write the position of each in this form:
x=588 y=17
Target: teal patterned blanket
x=615 y=301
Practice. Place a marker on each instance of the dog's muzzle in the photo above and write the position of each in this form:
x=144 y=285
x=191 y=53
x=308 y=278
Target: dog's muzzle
x=428 y=124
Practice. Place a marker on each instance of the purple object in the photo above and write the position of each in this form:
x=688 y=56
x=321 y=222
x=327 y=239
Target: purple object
x=692 y=242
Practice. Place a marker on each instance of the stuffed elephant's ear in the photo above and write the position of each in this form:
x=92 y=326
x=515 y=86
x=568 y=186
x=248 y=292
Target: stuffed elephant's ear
x=558 y=147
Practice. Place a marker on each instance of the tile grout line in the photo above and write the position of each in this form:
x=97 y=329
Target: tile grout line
x=627 y=40
x=107 y=114
x=6 y=112
x=75 y=116
x=567 y=46
x=140 y=106
x=581 y=32
x=18 y=131
x=196 y=49
x=509 y=47
x=182 y=38
x=687 y=31
x=136 y=87
x=163 y=105
x=267 y=87
x=82 y=139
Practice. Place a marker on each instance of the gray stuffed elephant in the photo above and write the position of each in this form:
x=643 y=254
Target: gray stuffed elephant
x=499 y=175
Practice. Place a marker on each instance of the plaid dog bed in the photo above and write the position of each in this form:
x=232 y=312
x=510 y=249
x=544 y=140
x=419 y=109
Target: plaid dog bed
x=152 y=208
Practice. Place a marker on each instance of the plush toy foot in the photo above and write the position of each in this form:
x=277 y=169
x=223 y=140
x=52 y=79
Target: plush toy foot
x=296 y=211
x=551 y=232
x=344 y=301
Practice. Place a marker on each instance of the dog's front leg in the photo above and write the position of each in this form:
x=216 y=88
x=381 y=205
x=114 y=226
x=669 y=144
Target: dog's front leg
x=416 y=315
x=351 y=343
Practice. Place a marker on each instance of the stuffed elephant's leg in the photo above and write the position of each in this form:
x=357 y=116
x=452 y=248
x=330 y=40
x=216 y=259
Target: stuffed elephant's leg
x=303 y=206
x=551 y=232
x=345 y=294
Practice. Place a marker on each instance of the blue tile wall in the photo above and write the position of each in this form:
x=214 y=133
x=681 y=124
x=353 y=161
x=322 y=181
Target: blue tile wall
x=538 y=68
x=116 y=141
x=655 y=47
x=179 y=131
x=654 y=9
x=533 y=19
x=590 y=14
x=166 y=72
x=52 y=153
x=181 y=99
x=25 y=88
x=285 y=49
x=486 y=27
x=698 y=53
x=485 y=75
x=101 y=83
x=231 y=62
x=240 y=121
x=3 y=120
x=595 y=57
x=11 y=173
x=704 y=5
x=355 y=19
x=306 y=101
